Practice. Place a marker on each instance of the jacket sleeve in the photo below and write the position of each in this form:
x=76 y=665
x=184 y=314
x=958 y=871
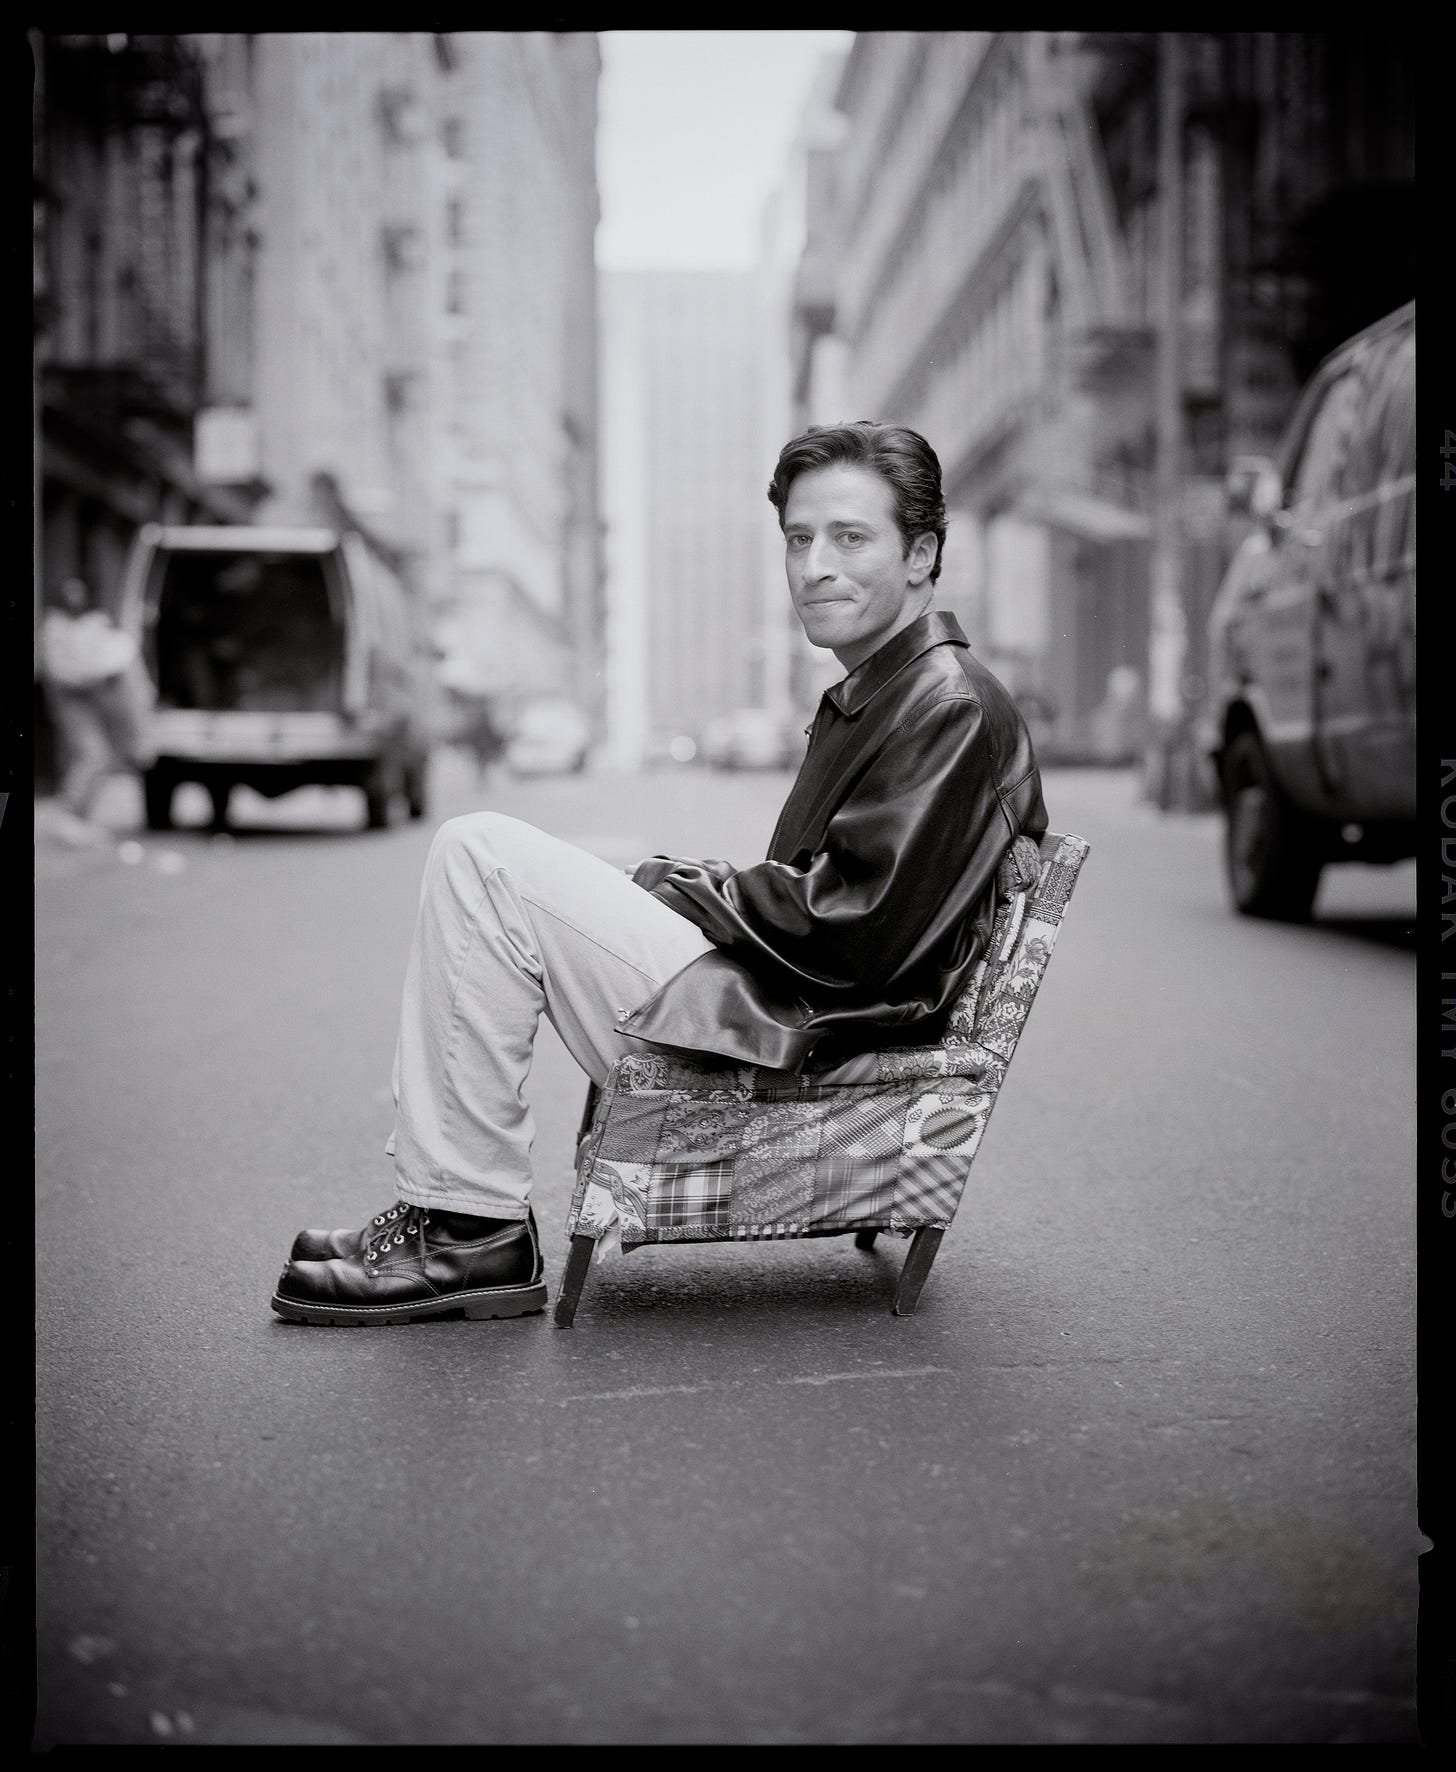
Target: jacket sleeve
x=917 y=840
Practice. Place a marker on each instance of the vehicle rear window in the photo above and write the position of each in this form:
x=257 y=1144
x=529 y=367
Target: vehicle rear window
x=1378 y=483
x=246 y=631
x=1384 y=446
x=1317 y=472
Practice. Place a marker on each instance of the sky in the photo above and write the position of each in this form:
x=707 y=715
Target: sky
x=693 y=133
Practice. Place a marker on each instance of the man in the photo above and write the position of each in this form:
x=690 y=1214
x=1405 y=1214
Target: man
x=99 y=699
x=859 y=929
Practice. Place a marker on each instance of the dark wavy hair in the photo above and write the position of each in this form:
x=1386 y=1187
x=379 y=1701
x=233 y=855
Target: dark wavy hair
x=901 y=457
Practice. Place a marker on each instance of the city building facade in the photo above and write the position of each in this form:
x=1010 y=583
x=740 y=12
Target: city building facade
x=810 y=380
x=516 y=366
x=347 y=291
x=142 y=264
x=142 y=267
x=1093 y=269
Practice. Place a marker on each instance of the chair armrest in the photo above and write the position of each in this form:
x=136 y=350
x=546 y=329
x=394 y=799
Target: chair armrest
x=913 y=1064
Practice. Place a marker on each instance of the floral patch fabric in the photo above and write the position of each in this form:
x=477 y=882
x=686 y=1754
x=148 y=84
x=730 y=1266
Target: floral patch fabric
x=680 y=1149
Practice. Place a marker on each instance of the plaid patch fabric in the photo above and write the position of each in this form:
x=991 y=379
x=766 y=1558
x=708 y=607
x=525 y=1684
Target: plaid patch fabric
x=680 y=1149
x=689 y=1196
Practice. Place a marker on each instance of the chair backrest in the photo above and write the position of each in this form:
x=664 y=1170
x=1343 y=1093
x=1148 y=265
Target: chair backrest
x=1033 y=886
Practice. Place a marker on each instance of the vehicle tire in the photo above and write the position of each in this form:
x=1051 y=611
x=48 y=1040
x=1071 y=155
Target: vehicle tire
x=158 y=788
x=380 y=786
x=1272 y=855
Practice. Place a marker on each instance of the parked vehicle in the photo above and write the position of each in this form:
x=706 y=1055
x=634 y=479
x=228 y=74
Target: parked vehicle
x=548 y=736
x=1311 y=716
x=281 y=657
x=752 y=738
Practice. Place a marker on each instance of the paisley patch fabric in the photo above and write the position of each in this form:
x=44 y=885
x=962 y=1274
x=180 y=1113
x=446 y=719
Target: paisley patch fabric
x=679 y=1149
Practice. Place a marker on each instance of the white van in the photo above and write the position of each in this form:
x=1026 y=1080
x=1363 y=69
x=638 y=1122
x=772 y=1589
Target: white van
x=280 y=657
x=1312 y=653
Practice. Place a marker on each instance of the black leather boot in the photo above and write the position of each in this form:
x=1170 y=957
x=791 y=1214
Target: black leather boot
x=331 y=1245
x=420 y=1262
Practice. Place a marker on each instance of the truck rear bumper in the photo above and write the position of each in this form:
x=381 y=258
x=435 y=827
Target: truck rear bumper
x=183 y=738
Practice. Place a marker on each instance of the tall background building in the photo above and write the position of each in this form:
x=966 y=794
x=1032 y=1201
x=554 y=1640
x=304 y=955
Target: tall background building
x=516 y=359
x=686 y=480
x=349 y=289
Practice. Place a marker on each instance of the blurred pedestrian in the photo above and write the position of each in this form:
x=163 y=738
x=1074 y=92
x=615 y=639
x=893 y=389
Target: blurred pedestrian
x=481 y=734
x=100 y=701
x=864 y=923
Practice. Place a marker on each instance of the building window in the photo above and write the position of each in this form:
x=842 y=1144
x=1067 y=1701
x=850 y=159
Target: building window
x=455 y=222
x=452 y=132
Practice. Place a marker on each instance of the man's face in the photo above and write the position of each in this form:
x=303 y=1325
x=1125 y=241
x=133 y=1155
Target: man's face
x=851 y=579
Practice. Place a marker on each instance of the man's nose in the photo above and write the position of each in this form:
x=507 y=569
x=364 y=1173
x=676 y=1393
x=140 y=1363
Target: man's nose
x=818 y=561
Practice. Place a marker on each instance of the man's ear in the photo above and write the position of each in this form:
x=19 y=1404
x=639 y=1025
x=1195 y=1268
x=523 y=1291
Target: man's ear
x=921 y=558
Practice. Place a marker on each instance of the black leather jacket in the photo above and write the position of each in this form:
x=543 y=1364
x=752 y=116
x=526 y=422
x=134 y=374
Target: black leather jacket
x=876 y=899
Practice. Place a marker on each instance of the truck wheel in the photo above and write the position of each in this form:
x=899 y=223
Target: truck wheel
x=1272 y=855
x=158 y=787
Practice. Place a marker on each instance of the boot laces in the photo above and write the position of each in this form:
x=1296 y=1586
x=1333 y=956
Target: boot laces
x=400 y=1222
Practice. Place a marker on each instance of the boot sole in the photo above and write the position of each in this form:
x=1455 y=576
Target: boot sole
x=498 y=1301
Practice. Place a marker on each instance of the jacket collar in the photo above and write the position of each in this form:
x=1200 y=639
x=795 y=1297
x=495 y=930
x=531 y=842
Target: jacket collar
x=936 y=627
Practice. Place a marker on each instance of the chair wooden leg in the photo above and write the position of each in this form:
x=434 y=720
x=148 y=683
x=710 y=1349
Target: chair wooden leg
x=593 y=1096
x=865 y=1239
x=916 y=1271
x=578 y=1264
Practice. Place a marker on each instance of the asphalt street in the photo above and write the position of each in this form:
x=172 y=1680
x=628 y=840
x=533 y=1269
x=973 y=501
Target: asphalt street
x=1141 y=1468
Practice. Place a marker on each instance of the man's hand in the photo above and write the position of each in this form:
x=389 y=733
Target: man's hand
x=652 y=870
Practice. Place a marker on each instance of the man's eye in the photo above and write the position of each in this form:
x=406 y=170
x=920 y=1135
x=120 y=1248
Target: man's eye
x=852 y=537
x=798 y=541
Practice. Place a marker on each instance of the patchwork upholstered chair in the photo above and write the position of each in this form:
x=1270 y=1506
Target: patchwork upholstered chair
x=675 y=1149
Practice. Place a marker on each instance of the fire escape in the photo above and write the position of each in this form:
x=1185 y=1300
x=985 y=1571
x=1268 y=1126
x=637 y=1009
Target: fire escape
x=1097 y=342
x=120 y=351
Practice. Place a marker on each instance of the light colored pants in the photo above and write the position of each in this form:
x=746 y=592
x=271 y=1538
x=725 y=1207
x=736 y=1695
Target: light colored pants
x=512 y=922
x=103 y=728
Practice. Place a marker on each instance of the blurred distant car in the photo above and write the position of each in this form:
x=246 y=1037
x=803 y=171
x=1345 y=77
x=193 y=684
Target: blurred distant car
x=752 y=738
x=1310 y=723
x=549 y=736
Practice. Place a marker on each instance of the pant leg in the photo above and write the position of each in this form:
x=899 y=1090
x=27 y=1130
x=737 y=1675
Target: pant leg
x=126 y=707
x=85 y=748
x=512 y=922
